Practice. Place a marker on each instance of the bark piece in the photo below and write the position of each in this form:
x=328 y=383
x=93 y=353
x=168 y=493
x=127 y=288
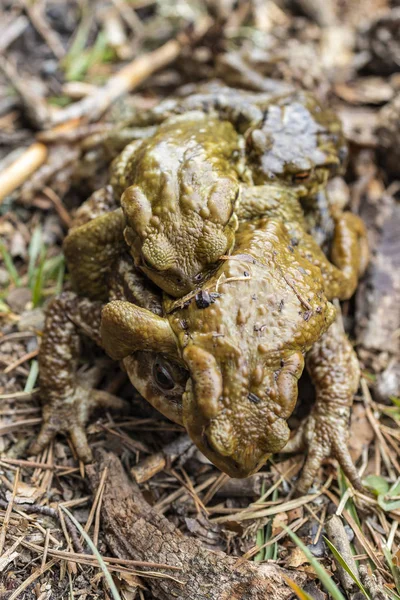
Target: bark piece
x=378 y=297
x=133 y=529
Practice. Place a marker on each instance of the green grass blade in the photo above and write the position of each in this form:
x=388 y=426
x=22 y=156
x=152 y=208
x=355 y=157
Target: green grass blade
x=52 y=266
x=96 y=553
x=37 y=282
x=271 y=551
x=323 y=576
x=393 y=568
x=260 y=540
x=9 y=264
x=32 y=377
x=339 y=558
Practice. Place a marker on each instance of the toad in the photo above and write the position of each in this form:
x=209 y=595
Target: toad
x=224 y=360
x=180 y=188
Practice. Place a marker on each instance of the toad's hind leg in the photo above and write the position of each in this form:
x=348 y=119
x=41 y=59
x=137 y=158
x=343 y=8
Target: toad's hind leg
x=93 y=243
x=350 y=248
x=349 y=256
x=334 y=369
x=67 y=402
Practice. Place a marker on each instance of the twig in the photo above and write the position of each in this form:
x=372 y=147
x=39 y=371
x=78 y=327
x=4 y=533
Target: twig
x=36 y=107
x=387 y=454
x=62 y=519
x=150 y=466
x=365 y=543
x=130 y=76
x=18 y=425
x=21 y=361
x=59 y=206
x=39 y=22
x=273 y=510
x=130 y=17
x=97 y=518
x=7 y=516
x=46 y=548
x=90 y=558
x=95 y=501
x=9 y=555
x=22 y=168
x=13 y=31
x=31 y=464
x=23 y=396
x=337 y=535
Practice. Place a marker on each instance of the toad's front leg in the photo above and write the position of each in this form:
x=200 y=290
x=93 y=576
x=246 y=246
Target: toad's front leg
x=334 y=369
x=67 y=403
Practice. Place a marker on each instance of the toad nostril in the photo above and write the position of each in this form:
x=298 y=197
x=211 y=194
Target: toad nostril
x=253 y=398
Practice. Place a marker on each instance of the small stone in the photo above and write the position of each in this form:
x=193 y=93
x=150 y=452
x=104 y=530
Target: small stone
x=18 y=299
x=31 y=320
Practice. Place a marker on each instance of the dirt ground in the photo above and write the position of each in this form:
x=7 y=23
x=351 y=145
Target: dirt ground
x=71 y=74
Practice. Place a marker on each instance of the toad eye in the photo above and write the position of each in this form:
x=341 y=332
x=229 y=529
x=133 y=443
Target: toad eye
x=162 y=375
x=302 y=176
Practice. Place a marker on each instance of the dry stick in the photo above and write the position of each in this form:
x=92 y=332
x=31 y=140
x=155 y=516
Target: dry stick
x=273 y=510
x=46 y=548
x=61 y=518
x=43 y=28
x=13 y=31
x=150 y=466
x=8 y=513
x=162 y=505
x=9 y=555
x=218 y=484
x=91 y=559
x=35 y=105
x=364 y=542
x=337 y=535
x=21 y=169
x=21 y=361
x=59 y=206
x=130 y=76
x=91 y=107
x=97 y=518
x=31 y=464
x=387 y=452
x=24 y=396
x=95 y=501
x=134 y=529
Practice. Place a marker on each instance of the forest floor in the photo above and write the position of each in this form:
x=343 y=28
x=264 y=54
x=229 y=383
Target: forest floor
x=71 y=72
